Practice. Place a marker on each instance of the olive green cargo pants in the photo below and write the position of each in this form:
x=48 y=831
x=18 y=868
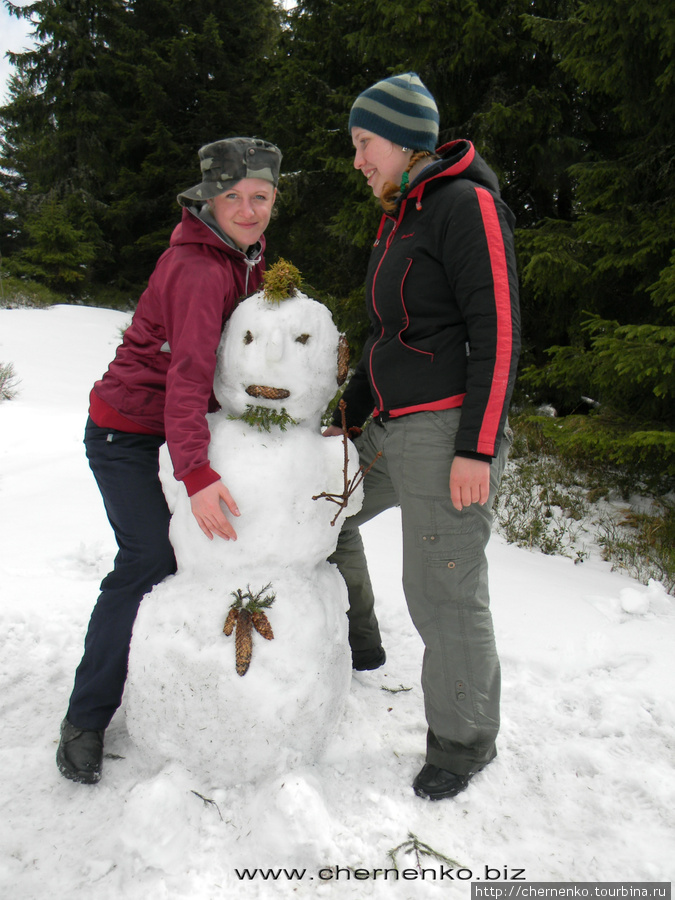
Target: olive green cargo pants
x=445 y=580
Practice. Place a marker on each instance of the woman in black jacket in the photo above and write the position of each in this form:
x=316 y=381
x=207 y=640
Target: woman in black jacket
x=437 y=373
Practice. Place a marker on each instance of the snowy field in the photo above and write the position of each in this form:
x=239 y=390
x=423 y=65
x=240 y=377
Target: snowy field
x=583 y=789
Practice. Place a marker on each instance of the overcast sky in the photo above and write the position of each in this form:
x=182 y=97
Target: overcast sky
x=14 y=35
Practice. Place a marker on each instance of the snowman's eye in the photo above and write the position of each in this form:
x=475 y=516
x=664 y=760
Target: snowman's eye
x=248 y=338
x=302 y=338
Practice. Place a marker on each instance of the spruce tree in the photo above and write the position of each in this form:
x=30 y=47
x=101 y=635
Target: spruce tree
x=107 y=113
x=495 y=82
x=60 y=125
x=57 y=253
x=193 y=71
x=614 y=263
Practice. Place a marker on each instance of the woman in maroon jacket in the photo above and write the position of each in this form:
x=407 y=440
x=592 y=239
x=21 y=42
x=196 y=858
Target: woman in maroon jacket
x=437 y=373
x=159 y=388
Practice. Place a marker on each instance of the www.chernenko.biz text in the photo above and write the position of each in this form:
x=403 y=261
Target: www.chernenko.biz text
x=349 y=873
x=513 y=884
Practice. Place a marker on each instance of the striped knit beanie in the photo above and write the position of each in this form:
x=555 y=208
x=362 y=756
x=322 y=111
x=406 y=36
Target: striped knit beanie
x=399 y=109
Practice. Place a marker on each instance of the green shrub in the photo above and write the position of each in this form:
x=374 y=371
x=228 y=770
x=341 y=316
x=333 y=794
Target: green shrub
x=18 y=293
x=8 y=381
x=641 y=543
x=554 y=500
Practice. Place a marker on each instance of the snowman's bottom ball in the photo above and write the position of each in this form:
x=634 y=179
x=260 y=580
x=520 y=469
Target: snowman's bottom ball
x=186 y=702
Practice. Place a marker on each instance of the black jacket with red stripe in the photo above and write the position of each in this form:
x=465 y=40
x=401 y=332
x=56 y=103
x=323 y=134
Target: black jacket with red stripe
x=442 y=296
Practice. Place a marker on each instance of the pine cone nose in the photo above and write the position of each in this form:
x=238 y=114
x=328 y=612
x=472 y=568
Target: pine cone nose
x=269 y=393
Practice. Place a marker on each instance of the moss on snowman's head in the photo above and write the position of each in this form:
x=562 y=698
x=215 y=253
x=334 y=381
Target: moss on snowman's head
x=281 y=281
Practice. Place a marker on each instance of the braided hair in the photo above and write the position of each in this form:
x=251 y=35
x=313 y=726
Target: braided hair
x=391 y=192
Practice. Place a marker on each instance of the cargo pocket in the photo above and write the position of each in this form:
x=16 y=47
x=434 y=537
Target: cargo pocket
x=452 y=567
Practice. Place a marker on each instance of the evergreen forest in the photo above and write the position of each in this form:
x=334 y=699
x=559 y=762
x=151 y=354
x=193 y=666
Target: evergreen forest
x=571 y=102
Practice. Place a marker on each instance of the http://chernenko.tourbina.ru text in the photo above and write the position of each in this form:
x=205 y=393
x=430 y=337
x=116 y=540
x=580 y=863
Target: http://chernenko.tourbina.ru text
x=511 y=882
x=561 y=890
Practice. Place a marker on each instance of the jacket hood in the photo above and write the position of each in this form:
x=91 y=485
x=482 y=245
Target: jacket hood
x=458 y=159
x=192 y=229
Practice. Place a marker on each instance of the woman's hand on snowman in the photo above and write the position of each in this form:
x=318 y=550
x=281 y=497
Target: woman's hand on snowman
x=208 y=511
x=469 y=482
x=332 y=431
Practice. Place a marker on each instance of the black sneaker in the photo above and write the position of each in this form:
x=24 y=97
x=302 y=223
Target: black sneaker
x=433 y=783
x=366 y=660
x=80 y=753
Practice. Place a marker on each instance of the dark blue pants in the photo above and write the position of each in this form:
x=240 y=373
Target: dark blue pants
x=126 y=468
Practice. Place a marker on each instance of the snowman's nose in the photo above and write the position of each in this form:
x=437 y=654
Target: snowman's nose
x=275 y=347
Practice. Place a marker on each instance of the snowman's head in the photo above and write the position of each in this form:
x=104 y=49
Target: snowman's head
x=280 y=356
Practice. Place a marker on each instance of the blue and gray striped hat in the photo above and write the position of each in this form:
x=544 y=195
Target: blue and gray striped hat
x=399 y=109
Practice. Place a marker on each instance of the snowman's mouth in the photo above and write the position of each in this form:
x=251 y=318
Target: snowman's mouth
x=269 y=393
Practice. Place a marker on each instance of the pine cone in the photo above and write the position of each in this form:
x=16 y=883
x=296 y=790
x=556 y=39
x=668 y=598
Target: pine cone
x=269 y=393
x=232 y=617
x=343 y=360
x=262 y=625
x=243 y=641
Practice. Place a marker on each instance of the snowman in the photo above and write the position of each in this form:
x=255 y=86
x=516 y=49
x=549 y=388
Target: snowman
x=239 y=664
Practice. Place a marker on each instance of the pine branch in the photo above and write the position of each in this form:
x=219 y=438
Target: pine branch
x=208 y=802
x=255 y=601
x=414 y=845
x=263 y=418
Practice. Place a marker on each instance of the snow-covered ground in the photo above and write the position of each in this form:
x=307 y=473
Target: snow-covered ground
x=583 y=788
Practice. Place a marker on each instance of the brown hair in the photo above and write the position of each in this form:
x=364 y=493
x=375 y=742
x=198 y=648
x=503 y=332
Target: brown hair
x=391 y=192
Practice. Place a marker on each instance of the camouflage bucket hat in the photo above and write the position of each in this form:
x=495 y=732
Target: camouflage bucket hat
x=226 y=162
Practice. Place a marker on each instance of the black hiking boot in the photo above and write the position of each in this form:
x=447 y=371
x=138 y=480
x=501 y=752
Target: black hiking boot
x=80 y=753
x=366 y=660
x=434 y=783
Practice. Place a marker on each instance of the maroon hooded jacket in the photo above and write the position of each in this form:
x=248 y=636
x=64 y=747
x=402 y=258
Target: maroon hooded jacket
x=161 y=380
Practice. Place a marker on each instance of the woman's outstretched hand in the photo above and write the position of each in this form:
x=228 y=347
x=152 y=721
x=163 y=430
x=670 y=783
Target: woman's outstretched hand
x=208 y=511
x=469 y=482
x=332 y=431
